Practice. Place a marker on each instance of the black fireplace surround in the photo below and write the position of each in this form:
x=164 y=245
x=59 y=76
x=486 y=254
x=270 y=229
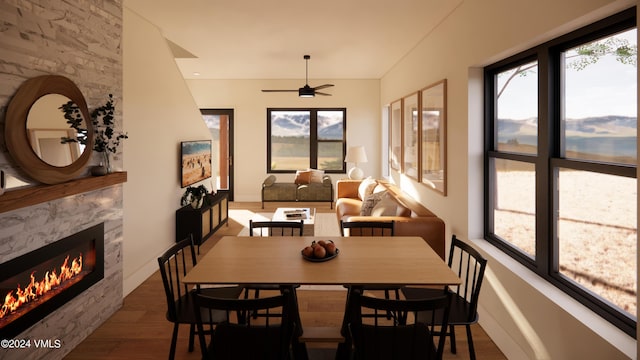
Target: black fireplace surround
x=17 y=274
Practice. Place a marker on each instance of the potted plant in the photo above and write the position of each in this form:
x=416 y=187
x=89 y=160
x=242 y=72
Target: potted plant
x=194 y=196
x=106 y=139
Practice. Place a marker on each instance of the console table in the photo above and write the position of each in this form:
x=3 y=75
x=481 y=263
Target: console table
x=203 y=222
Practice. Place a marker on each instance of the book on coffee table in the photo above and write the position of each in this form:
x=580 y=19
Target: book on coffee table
x=307 y=215
x=296 y=216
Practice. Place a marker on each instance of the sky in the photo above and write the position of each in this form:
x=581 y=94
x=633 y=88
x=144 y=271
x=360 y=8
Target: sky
x=604 y=88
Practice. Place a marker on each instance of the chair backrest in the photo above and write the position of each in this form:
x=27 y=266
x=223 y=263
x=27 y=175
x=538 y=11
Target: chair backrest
x=400 y=337
x=174 y=264
x=243 y=336
x=276 y=228
x=469 y=265
x=367 y=228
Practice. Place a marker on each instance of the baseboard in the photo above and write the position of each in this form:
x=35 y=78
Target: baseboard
x=131 y=282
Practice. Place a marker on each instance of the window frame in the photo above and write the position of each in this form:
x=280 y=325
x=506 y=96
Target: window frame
x=547 y=160
x=313 y=139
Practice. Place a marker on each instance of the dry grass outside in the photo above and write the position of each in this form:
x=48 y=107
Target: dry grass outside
x=300 y=163
x=597 y=229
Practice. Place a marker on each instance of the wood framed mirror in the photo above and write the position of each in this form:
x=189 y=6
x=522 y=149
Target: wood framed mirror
x=35 y=109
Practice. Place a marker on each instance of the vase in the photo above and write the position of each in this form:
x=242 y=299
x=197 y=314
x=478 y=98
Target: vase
x=99 y=170
x=197 y=203
x=107 y=162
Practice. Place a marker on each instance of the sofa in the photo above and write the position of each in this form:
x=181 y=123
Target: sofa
x=380 y=200
x=317 y=189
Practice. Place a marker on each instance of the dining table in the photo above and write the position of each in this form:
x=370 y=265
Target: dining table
x=375 y=260
x=360 y=261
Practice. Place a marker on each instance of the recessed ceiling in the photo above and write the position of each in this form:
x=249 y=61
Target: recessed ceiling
x=258 y=39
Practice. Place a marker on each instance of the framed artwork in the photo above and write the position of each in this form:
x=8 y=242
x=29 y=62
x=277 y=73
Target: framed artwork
x=410 y=135
x=433 y=136
x=195 y=159
x=395 y=135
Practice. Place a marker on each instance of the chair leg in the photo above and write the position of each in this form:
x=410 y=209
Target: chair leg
x=192 y=333
x=256 y=295
x=386 y=297
x=174 y=340
x=452 y=335
x=472 y=351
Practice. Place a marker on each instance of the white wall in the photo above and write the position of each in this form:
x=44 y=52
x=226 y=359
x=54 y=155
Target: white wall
x=159 y=112
x=525 y=316
x=360 y=97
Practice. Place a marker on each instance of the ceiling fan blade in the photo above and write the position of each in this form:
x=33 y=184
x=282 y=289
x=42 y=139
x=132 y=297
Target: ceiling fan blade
x=323 y=86
x=306 y=90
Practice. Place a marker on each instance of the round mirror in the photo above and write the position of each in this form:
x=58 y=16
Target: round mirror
x=53 y=139
x=47 y=129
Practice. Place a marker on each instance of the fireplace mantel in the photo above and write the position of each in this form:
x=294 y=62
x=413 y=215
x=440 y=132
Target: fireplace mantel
x=23 y=197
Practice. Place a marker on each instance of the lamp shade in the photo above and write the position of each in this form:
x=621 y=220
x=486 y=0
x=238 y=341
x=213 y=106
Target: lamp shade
x=356 y=154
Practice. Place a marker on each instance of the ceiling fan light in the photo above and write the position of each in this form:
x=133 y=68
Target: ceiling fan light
x=306 y=92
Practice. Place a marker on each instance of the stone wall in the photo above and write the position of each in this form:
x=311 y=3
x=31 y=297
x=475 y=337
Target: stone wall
x=79 y=39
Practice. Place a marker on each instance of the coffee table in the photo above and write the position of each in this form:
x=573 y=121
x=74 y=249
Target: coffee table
x=308 y=217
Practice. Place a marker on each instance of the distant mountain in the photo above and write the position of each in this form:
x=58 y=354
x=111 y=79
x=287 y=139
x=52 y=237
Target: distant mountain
x=604 y=125
x=290 y=124
x=331 y=132
x=293 y=124
x=612 y=136
x=612 y=125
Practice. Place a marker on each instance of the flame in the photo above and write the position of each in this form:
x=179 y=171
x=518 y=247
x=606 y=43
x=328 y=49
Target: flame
x=37 y=288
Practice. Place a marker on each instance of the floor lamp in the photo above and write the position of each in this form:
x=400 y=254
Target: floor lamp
x=356 y=154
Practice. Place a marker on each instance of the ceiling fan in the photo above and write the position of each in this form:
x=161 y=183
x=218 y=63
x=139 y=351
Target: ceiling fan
x=306 y=90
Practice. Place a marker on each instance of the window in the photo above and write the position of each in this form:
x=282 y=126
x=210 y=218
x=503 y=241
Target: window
x=560 y=164
x=306 y=138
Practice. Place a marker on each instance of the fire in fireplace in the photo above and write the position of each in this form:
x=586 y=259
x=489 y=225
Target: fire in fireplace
x=37 y=283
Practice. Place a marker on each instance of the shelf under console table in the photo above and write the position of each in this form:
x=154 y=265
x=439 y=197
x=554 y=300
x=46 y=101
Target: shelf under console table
x=203 y=222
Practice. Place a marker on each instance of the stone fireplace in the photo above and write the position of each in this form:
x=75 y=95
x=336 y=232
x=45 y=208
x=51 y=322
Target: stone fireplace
x=39 y=282
x=28 y=229
x=83 y=43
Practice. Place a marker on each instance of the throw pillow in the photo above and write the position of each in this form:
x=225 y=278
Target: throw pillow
x=316 y=175
x=270 y=180
x=370 y=202
x=387 y=206
x=366 y=187
x=302 y=177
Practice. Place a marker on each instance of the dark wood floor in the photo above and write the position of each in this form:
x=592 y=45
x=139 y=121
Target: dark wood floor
x=140 y=331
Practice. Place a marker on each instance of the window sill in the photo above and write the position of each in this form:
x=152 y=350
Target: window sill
x=610 y=333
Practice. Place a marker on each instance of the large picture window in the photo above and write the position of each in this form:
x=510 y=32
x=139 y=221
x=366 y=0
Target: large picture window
x=306 y=138
x=561 y=157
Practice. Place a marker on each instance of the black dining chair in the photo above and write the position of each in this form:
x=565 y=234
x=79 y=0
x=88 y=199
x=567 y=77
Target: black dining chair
x=470 y=266
x=174 y=264
x=271 y=228
x=367 y=228
x=403 y=337
x=278 y=228
x=372 y=228
x=242 y=337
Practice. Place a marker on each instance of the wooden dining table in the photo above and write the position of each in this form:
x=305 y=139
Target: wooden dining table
x=376 y=260
x=361 y=261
